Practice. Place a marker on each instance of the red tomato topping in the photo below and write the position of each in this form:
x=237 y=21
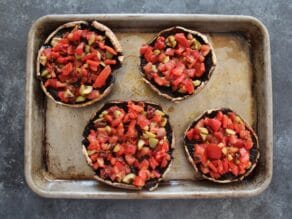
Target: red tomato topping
x=223 y=144
x=176 y=62
x=129 y=145
x=77 y=65
x=102 y=77
x=214 y=151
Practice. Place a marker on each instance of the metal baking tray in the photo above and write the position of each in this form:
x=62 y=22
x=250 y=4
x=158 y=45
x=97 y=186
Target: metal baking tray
x=54 y=164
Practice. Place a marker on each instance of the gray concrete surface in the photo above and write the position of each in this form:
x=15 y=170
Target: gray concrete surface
x=18 y=201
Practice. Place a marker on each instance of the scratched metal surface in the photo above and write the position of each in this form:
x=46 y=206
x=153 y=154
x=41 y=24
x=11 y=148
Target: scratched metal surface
x=240 y=81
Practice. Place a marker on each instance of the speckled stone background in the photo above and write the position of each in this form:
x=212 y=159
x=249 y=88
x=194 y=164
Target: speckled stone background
x=18 y=201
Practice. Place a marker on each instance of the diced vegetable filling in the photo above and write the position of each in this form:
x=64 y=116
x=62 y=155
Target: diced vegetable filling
x=130 y=146
x=223 y=145
x=176 y=61
x=77 y=65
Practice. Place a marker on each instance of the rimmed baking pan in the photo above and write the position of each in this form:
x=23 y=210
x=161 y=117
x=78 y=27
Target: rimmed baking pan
x=54 y=164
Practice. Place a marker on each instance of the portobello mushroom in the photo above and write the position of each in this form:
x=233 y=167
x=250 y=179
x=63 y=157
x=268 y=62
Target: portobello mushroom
x=221 y=146
x=177 y=62
x=129 y=144
x=76 y=62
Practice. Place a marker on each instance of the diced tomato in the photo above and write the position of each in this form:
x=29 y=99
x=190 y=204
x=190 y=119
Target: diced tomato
x=130 y=149
x=132 y=115
x=54 y=83
x=144 y=151
x=220 y=167
x=205 y=49
x=76 y=35
x=149 y=55
x=79 y=49
x=212 y=139
x=212 y=167
x=153 y=163
x=161 y=57
x=239 y=143
x=148 y=67
x=89 y=56
x=234 y=168
x=170 y=65
x=214 y=175
x=93 y=65
x=144 y=164
x=204 y=169
x=200 y=69
x=248 y=145
x=93 y=95
x=63 y=60
x=190 y=134
x=138 y=181
x=144 y=174
x=157 y=118
x=161 y=67
x=93 y=157
x=178 y=70
x=189 y=86
x=155 y=174
x=142 y=121
x=110 y=50
x=130 y=159
x=225 y=165
x=95 y=165
x=219 y=116
x=144 y=48
x=67 y=69
x=110 y=62
x=164 y=163
x=102 y=77
x=169 y=52
x=164 y=146
x=238 y=127
x=191 y=72
x=244 y=134
x=162 y=81
x=179 y=50
x=224 y=121
x=61 y=95
x=214 y=151
x=135 y=107
x=214 y=124
x=200 y=152
x=132 y=132
x=182 y=40
x=219 y=136
x=160 y=43
x=159 y=155
x=232 y=139
x=178 y=80
x=113 y=161
x=101 y=45
x=120 y=130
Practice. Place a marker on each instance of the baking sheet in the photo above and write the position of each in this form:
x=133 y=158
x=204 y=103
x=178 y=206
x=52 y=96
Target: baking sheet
x=234 y=84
